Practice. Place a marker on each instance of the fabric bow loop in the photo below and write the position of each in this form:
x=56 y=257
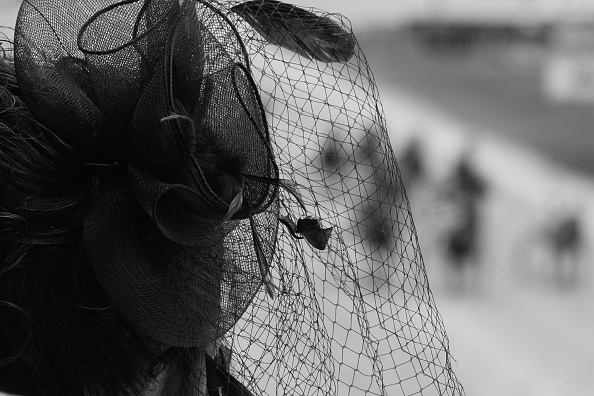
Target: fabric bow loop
x=177 y=210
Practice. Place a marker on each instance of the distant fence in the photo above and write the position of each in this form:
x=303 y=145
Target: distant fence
x=460 y=36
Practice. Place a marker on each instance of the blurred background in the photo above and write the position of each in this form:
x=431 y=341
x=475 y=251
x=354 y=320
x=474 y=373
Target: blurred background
x=490 y=108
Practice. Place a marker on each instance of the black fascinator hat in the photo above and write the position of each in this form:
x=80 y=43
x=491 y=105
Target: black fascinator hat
x=159 y=100
x=240 y=190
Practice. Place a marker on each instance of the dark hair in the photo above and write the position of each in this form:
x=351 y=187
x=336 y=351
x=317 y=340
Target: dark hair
x=59 y=334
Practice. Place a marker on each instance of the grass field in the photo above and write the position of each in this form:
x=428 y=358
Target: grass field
x=494 y=88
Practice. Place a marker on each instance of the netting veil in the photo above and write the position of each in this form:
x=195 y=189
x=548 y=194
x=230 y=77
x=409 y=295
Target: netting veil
x=246 y=188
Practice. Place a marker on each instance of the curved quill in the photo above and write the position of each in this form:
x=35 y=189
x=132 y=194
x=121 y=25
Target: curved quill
x=299 y=30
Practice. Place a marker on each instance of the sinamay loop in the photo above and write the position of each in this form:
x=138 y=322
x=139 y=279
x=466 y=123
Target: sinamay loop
x=246 y=145
x=166 y=100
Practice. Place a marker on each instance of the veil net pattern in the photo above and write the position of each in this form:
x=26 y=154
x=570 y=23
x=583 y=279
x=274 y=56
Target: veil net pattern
x=358 y=318
x=288 y=93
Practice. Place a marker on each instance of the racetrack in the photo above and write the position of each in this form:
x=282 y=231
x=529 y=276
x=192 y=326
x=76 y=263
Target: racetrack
x=513 y=329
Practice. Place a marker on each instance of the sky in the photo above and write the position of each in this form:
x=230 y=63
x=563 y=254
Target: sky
x=8 y=10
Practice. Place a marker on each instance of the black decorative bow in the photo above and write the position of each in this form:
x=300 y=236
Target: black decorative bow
x=149 y=90
x=158 y=99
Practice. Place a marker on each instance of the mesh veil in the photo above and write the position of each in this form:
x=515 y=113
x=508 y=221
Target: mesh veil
x=358 y=318
x=170 y=103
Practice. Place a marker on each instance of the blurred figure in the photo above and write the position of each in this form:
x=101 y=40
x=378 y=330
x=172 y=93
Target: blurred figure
x=377 y=222
x=465 y=193
x=556 y=248
x=411 y=164
x=566 y=247
x=374 y=216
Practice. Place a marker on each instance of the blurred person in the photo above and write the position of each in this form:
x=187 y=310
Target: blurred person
x=466 y=190
x=148 y=206
x=566 y=241
x=554 y=248
x=373 y=215
x=411 y=164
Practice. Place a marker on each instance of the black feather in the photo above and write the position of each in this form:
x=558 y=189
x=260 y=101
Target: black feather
x=299 y=30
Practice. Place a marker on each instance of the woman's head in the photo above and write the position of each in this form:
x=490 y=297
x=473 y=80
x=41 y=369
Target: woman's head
x=161 y=160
